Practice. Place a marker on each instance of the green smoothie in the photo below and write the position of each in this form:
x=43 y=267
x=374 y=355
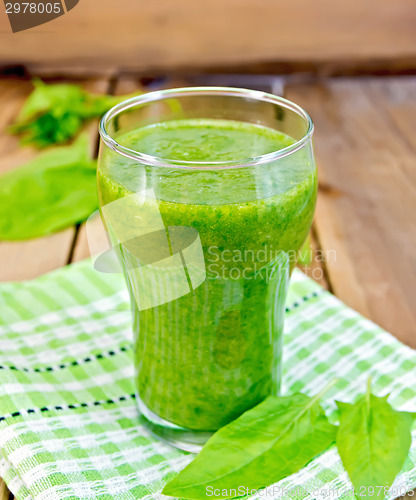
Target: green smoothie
x=206 y=357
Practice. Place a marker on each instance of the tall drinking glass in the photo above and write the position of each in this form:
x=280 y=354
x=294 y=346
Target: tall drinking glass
x=207 y=195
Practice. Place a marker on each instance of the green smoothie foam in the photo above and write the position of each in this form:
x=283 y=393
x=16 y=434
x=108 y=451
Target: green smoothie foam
x=204 y=358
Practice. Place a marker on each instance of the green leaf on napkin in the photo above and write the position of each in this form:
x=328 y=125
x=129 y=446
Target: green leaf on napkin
x=55 y=113
x=265 y=444
x=55 y=190
x=373 y=441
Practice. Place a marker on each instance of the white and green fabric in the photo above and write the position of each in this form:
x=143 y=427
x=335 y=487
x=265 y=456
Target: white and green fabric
x=69 y=427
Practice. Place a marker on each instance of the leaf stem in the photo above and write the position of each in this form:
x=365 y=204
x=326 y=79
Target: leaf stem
x=328 y=386
x=368 y=395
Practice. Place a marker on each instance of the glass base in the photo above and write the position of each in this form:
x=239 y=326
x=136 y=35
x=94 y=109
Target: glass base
x=179 y=437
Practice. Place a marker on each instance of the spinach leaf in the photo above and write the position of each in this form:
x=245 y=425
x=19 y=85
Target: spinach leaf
x=54 y=114
x=265 y=444
x=373 y=441
x=55 y=190
x=45 y=97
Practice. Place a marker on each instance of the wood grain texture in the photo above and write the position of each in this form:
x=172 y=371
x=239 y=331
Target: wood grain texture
x=365 y=148
x=169 y=35
x=28 y=259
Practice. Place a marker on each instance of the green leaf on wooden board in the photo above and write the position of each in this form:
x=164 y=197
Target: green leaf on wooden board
x=54 y=114
x=54 y=190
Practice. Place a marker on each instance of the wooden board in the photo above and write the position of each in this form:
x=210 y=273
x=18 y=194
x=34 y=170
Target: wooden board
x=366 y=148
x=168 y=35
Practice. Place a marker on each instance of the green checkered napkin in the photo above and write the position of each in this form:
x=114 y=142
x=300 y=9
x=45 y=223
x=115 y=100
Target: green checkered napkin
x=69 y=427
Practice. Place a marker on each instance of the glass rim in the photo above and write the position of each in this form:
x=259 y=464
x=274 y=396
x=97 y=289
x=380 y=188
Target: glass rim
x=158 y=95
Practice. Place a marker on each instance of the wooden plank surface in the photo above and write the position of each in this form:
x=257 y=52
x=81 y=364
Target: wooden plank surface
x=365 y=146
x=165 y=35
